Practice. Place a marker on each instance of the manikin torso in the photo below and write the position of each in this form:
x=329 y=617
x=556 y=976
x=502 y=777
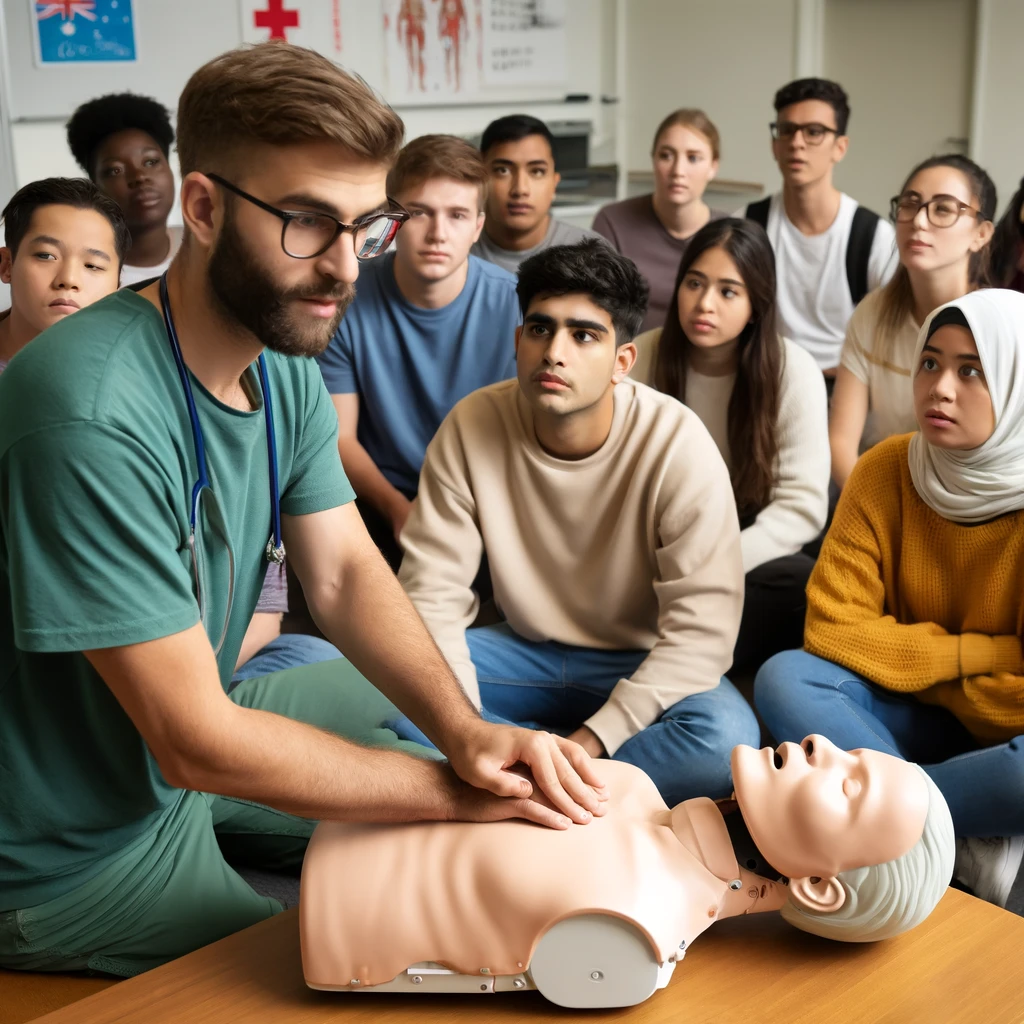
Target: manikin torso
x=477 y=899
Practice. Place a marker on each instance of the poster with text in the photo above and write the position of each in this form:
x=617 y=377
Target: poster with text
x=524 y=42
x=433 y=50
x=83 y=32
x=313 y=23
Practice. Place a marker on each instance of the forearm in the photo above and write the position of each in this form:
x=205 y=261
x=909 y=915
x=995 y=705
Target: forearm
x=844 y=457
x=371 y=619
x=367 y=480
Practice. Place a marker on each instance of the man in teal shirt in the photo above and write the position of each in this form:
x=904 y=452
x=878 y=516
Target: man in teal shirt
x=126 y=771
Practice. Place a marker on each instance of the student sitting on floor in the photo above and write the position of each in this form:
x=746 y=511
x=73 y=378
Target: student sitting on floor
x=763 y=400
x=608 y=522
x=829 y=252
x=914 y=608
x=943 y=216
x=654 y=230
x=519 y=153
x=65 y=241
x=430 y=323
x=123 y=143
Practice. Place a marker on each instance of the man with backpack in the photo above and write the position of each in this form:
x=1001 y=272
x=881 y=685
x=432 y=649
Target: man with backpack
x=829 y=251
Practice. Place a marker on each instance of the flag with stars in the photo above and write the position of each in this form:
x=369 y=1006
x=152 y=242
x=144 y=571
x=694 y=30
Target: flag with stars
x=313 y=23
x=84 y=31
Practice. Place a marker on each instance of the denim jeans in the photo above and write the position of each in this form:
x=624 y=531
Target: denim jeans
x=797 y=694
x=556 y=687
x=289 y=650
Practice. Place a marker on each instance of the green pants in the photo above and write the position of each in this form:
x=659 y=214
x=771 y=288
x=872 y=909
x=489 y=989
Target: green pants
x=172 y=891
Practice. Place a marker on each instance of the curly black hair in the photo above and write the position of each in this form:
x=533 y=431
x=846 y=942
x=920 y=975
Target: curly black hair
x=100 y=118
x=829 y=92
x=592 y=268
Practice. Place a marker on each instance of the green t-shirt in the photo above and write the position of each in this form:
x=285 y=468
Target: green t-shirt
x=97 y=466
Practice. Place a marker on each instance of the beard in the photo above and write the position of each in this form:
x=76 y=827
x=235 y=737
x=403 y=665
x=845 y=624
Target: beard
x=248 y=295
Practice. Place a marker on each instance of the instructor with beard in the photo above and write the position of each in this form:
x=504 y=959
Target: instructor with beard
x=157 y=451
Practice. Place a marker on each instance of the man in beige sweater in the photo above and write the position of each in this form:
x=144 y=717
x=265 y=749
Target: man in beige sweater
x=607 y=518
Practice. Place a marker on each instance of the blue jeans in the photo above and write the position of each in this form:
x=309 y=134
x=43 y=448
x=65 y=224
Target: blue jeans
x=797 y=694
x=556 y=687
x=289 y=650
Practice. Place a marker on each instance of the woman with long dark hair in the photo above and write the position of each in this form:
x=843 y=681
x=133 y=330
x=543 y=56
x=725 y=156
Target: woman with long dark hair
x=1007 y=263
x=943 y=216
x=762 y=399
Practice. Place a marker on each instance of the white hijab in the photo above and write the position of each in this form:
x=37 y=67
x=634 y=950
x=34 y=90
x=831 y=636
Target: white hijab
x=988 y=481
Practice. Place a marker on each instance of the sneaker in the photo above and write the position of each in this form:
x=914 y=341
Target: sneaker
x=988 y=867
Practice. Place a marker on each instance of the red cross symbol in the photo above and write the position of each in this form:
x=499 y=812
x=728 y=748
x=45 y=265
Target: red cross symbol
x=276 y=18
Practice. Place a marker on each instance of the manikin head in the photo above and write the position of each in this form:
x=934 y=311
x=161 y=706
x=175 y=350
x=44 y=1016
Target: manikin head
x=865 y=838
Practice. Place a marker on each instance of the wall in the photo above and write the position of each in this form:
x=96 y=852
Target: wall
x=727 y=58
x=998 y=136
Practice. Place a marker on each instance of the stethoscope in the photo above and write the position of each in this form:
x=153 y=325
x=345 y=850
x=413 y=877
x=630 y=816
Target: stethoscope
x=275 y=545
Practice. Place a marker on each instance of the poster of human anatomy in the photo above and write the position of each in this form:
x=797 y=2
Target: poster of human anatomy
x=451 y=51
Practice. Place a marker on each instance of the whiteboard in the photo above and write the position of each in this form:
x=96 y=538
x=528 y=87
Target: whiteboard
x=177 y=36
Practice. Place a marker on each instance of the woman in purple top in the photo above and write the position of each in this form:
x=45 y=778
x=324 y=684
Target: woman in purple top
x=653 y=230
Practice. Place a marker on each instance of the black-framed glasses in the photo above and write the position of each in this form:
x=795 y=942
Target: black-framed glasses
x=813 y=133
x=942 y=211
x=305 y=234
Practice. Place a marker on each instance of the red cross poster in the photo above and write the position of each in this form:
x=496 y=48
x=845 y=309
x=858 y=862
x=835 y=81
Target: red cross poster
x=312 y=23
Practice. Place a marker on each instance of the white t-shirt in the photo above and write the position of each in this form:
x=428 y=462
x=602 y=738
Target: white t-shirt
x=132 y=275
x=814 y=298
x=888 y=375
x=798 y=508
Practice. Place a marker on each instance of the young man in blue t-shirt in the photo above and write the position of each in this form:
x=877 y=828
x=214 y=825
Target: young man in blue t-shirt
x=430 y=324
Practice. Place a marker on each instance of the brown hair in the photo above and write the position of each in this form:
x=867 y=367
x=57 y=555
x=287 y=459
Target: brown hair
x=437 y=156
x=897 y=298
x=689 y=118
x=280 y=94
x=754 y=404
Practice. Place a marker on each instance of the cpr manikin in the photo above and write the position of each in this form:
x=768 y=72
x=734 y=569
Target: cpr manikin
x=598 y=915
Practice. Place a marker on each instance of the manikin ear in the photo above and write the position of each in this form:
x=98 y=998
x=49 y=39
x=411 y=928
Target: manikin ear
x=6 y=264
x=823 y=895
x=625 y=357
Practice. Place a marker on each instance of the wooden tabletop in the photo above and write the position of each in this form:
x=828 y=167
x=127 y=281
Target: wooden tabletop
x=962 y=965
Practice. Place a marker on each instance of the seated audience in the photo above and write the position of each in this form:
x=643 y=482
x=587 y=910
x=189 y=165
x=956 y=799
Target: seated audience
x=606 y=515
x=653 y=230
x=763 y=400
x=1007 y=262
x=829 y=252
x=430 y=323
x=518 y=152
x=64 y=243
x=913 y=640
x=943 y=216
x=123 y=142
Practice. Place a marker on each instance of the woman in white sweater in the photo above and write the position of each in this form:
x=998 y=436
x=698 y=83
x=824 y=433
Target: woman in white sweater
x=763 y=400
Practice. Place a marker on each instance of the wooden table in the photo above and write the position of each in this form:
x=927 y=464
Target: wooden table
x=964 y=964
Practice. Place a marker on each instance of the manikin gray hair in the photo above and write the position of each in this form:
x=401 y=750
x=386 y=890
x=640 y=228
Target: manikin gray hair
x=887 y=899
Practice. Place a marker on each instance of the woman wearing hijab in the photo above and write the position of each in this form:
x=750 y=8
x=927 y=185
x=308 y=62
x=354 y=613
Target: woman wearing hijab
x=915 y=607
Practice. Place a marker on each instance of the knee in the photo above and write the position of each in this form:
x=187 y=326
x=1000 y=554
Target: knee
x=780 y=681
x=717 y=720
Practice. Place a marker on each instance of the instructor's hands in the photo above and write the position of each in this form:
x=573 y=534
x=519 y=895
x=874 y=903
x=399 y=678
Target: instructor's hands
x=568 y=788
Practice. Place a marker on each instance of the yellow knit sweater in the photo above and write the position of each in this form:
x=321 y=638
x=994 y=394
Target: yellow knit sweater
x=920 y=604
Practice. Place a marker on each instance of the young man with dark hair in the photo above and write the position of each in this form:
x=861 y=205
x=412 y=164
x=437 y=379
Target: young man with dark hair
x=607 y=518
x=829 y=252
x=123 y=143
x=147 y=452
x=519 y=153
x=64 y=245
x=430 y=324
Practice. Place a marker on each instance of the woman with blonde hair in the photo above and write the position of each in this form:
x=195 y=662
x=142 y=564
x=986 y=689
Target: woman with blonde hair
x=943 y=217
x=653 y=230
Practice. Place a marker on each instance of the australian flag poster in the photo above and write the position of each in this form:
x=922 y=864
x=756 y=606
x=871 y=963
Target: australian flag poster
x=83 y=31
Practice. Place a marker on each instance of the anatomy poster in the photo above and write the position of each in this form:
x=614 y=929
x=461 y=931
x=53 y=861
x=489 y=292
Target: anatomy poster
x=434 y=50
x=524 y=42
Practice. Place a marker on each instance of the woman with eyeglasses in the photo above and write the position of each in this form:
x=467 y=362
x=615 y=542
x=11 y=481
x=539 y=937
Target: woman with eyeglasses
x=1006 y=268
x=943 y=217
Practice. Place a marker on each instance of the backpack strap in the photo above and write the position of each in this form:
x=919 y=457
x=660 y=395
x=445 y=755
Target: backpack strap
x=758 y=212
x=858 y=251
